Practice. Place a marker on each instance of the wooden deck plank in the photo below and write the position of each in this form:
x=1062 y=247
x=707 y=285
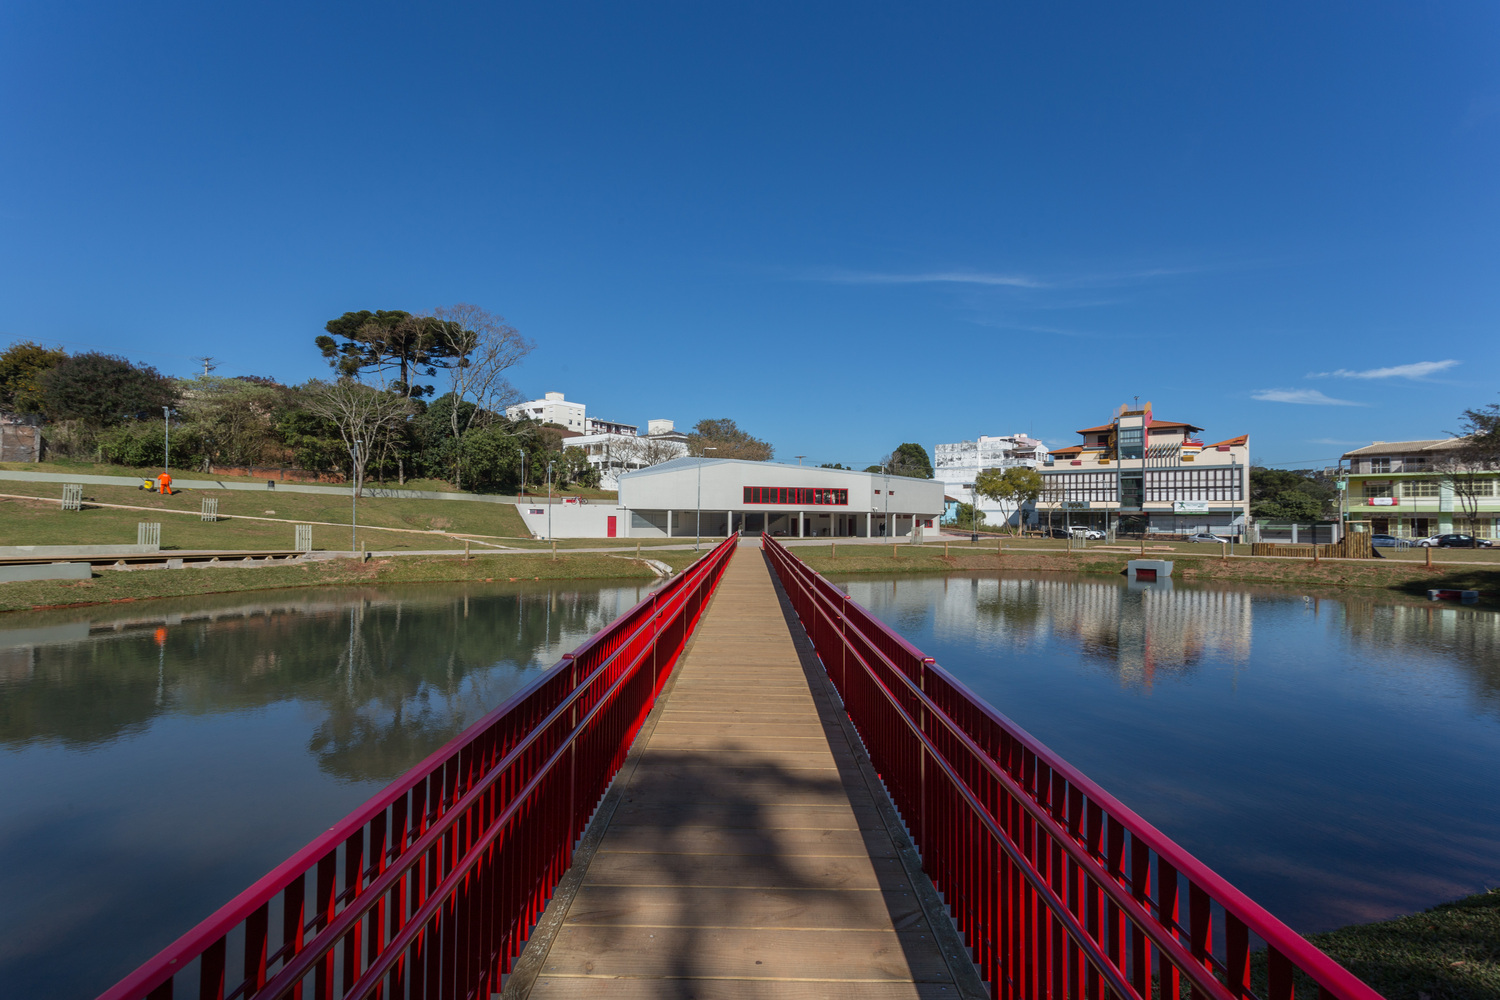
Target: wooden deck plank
x=744 y=953
x=787 y=909
x=747 y=856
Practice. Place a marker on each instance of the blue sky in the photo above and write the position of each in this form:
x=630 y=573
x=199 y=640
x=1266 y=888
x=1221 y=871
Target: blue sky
x=843 y=225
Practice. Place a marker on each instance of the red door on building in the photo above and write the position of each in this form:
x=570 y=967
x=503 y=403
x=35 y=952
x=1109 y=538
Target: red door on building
x=611 y=528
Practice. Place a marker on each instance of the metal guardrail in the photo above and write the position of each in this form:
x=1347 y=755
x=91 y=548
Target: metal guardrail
x=431 y=888
x=1057 y=887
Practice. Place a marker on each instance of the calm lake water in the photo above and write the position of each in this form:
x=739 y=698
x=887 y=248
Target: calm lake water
x=157 y=758
x=1338 y=759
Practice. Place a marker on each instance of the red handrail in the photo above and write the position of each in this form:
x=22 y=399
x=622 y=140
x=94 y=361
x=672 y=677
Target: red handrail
x=433 y=885
x=1058 y=888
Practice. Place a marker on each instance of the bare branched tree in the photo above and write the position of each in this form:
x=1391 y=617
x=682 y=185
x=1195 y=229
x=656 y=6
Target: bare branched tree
x=483 y=348
x=362 y=414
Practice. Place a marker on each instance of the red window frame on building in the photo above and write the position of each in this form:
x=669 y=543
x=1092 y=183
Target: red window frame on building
x=796 y=496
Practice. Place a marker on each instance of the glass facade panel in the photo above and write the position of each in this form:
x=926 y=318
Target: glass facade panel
x=793 y=496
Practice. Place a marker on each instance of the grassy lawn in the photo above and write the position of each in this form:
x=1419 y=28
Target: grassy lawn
x=1450 y=952
x=103 y=469
x=112 y=585
x=1411 y=578
x=31 y=523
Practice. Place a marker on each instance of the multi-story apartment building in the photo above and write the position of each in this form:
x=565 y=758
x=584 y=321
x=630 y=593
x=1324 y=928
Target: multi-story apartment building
x=1413 y=489
x=1138 y=473
x=552 y=408
x=616 y=452
x=958 y=464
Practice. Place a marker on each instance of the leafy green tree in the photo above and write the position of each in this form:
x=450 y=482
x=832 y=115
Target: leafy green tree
x=310 y=441
x=1289 y=505
x=967 y=515
x=234 y=419
x=387 y=340
x=101 y=390
x=910 y=459
x=832 y=465
x=1019 y=485
x=727 y=440
x=22 y=366
x=493 y=457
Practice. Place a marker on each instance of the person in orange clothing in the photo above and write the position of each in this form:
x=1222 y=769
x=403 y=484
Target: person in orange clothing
x=164 y=484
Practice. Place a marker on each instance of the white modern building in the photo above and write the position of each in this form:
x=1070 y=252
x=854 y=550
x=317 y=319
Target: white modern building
x=552 y=408
x=958 y=465
x=713 y=497
x=614 y=453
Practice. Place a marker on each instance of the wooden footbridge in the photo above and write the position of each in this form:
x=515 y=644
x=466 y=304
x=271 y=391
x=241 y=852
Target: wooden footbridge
x=745 y=787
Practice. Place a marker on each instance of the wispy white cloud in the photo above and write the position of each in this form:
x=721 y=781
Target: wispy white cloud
x=1309 y=396
x=929 y=278
x=1418 y=369
x=999 y=279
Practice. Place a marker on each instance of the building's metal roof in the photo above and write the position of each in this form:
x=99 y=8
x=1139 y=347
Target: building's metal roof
x=690 y=463
x=1403 y=447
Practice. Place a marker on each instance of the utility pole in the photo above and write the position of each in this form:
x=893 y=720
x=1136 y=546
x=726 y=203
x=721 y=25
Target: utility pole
x=698 y=518
x=800 y=458
x=166 y=459
x=353 y=495
x=549 y=503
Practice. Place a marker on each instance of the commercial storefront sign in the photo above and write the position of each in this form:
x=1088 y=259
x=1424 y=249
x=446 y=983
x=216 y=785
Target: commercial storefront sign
x=1382 y=502
x=1075 y=505
x=1190 y=506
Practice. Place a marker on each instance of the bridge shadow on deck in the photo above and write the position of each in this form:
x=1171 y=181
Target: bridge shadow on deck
x=750 y=853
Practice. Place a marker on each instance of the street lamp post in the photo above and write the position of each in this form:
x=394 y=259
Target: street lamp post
x=353 y=495
x=698 y=518
x=166 y=458
x=549 y=501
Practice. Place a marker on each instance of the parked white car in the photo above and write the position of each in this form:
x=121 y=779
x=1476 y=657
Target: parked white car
x=1427 y=542
x=1092 y=534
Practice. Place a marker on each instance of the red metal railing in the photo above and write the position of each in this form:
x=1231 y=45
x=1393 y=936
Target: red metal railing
x=1058 y=888
x=431 y=888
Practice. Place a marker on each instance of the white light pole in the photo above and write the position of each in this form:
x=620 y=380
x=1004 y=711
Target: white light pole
x=698 y=518
x=353 y=495
x=166 y=458
x=549 y=501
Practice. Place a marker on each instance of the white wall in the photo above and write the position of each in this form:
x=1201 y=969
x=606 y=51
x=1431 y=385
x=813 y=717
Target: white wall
x=574 y=520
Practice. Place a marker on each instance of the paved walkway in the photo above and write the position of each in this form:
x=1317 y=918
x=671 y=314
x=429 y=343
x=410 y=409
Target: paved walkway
x=748 y=856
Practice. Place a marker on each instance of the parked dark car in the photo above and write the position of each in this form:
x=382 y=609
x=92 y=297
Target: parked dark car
x=1058 y=533
x=1457 y=541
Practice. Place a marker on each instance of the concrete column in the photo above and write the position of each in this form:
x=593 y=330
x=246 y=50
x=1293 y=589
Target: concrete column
x=728 y=522
x=867 y=525
x=669 y=523
x=801 y=525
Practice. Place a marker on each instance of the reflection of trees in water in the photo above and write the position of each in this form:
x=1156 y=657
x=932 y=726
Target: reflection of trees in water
x=397 y=671
x=1467 y=637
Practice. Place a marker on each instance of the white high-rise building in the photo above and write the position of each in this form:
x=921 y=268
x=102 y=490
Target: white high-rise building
x=957 y=465
x=552 y=408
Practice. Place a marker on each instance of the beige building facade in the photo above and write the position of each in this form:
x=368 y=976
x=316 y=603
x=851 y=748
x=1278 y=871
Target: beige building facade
x=1140 y=473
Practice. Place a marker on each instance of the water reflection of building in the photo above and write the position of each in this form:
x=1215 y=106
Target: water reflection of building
x=1141 y=634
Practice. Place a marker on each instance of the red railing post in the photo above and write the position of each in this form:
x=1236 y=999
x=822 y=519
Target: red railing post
x=1049 y=878
x=445 y=872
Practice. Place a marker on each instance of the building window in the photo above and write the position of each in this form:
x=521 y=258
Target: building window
x=1077 y=487
x=1419 y=488
x=793 y=496
x=1132 y=442
x=1222 y=485
x=1377 y=490
x=1379 y=465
